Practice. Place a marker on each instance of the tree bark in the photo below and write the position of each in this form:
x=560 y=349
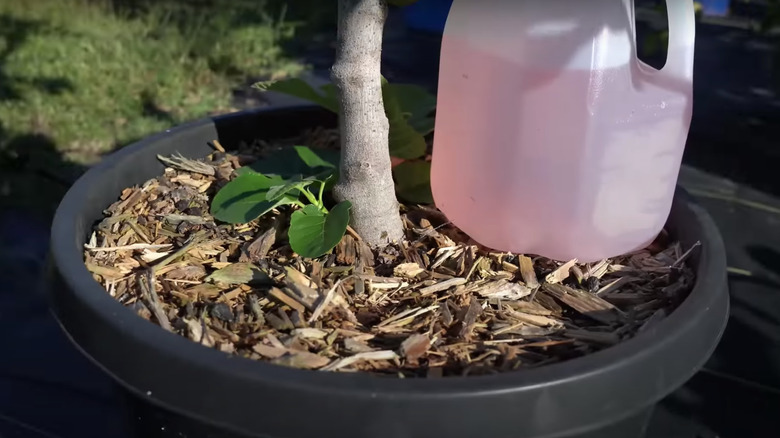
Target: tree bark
x=366 y=178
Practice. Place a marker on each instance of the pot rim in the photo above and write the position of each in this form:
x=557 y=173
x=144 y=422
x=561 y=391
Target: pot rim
x=67 y=255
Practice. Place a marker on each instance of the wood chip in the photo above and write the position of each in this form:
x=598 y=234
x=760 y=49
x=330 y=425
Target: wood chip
x=301 y=359
x=323 y=304
x=203 y=291
x=415 y=346
x=176 y=219
x=217 y=145
x=446 y=314
x=346 y=251
x=269 y=351
x=373 y=355
x=577 y=272
x=179 y=162
x=197 y=334
x=599 y=269
x=354 y=346
x=503 y=289
x=285 y=298
x=353 y=233
x=436 y=304
x=258 y=249
x=276 y=322
x=470 y=318
x=384 y=285
x=614 y=285
x=310 y=333
x=256 y=309
x=189 y=272
x=686 y=254
x=442 y=286
x=109 y=273
x=225 y=333
x=286 y=321
x=365 y=255
x=527 y=271
x=587 y=304
x=301 y=288
x=537 y=320
x=240 y=273
x=146 y=282
x=561 y=273
x=132 y=247
x=231 y=295
x=408 y=270
x=529 y=307
x=407 y=314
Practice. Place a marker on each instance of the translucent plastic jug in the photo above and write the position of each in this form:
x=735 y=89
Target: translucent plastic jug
x=552 y=137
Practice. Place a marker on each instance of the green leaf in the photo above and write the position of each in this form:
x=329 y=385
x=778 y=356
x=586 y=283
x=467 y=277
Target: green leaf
x=330 y=92
x=299 y=88
x=413 y=98
x=297 y=160
x=423 y=125
x=417 y=102
x=407 y=107
x=295 y=184
x=405 y=141
x=314 y=233
x=413 y=181
x=321 y=158
x=244 y=199
x=239 y=273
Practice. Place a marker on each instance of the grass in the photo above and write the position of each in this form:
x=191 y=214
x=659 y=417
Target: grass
x=79 y=78
x=90 y=76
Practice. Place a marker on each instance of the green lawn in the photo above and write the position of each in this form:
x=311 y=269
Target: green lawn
x=79 y=78
x=90 y=77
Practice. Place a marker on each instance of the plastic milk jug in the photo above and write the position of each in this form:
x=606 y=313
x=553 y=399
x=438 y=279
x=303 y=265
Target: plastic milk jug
x=551 y=136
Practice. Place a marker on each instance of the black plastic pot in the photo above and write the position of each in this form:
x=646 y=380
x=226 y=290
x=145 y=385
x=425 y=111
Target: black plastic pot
x=177 y=388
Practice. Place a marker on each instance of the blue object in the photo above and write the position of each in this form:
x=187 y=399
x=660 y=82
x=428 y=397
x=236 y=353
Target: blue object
x=427 y=15
x=715 y=7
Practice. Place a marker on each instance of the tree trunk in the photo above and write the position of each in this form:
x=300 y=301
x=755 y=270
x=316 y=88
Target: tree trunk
x=366 y=178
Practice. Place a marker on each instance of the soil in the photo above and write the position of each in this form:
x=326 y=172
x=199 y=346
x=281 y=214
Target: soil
x=435 y=305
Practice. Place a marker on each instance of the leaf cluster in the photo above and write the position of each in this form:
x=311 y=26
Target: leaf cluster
x=301 y=176
x=409 y=109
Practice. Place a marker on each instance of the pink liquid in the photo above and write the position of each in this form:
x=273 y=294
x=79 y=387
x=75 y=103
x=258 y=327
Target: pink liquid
x=560 y=163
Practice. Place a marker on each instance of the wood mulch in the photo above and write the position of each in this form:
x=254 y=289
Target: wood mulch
x=436 y=305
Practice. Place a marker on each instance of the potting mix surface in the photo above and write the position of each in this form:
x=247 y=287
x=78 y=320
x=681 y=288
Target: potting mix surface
x=437 y=304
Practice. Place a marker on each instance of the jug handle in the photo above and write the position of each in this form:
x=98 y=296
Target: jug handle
x=682 y=35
